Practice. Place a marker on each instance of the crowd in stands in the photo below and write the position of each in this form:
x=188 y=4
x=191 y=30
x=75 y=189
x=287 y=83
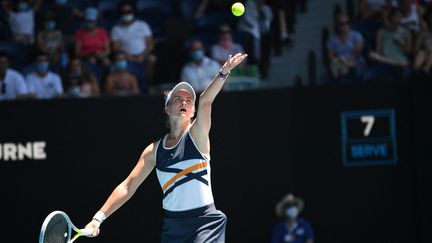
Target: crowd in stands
x=386 y=40
x=88 y=48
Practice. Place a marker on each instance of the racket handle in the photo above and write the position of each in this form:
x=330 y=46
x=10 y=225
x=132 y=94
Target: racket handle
x=86 y=231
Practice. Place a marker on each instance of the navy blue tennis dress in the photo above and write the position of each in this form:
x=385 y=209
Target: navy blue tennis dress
x=184 y=175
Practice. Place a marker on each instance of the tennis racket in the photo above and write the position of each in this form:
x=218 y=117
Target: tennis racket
x=57 y=228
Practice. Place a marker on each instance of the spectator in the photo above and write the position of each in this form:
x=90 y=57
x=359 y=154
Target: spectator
x=12 y=84
x=256 y=21
x=285 y=20
x=65 y=16
x=22 y=19
x=134 y=38
x=249 y=23
x=92 y=42
x=410 y=15
x=44 y=84
x=372 y=17
x=201 y=69
x=225 y=45
x=79 y=82
x=375 y=9
x=50 y=40
x=265 y=20
x=345 y=50
x=291 y=228
x=390 y=60
x=423 y=48
x=121 y=82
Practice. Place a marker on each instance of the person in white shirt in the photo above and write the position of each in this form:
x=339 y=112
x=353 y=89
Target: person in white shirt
x=22 y=19
x=201 y=69
x=134 y=38
x=12 y=84
x=44 y=84
x=225 y=45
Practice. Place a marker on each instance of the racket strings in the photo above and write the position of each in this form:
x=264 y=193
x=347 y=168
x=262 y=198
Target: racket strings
x=57 y=230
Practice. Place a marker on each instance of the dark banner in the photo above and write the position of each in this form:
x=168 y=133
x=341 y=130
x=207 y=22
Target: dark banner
x=70 y=154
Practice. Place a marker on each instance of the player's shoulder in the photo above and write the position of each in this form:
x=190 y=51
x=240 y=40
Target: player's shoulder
x=151 y=148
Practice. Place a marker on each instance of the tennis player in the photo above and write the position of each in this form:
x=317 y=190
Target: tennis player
x=182 y=161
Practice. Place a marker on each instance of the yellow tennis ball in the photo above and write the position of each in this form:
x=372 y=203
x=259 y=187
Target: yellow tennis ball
x=238 y=9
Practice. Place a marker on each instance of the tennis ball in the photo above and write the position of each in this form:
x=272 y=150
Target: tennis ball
x=237 y=9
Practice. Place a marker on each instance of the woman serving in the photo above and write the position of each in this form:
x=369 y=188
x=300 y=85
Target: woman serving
x=182 y=161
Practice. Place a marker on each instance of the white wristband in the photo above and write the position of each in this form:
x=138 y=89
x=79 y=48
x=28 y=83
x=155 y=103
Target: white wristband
x=99 y=216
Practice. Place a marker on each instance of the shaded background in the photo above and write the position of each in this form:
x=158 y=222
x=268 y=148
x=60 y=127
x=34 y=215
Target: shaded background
x=264 y=144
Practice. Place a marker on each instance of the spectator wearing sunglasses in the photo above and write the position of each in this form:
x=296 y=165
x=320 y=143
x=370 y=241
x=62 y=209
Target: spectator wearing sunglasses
x=345 y=52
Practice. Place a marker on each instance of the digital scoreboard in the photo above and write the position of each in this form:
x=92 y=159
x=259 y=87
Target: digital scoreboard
x=368 y=137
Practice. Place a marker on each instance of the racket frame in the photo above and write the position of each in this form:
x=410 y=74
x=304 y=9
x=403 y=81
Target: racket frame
x=71 y=226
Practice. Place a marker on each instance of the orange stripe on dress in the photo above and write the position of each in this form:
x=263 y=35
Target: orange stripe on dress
x=184 y=172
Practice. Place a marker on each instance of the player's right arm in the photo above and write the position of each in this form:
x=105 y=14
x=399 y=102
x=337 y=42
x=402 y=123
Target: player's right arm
x=124 y=191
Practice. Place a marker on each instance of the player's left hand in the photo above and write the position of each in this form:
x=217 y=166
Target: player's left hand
x=232 y=62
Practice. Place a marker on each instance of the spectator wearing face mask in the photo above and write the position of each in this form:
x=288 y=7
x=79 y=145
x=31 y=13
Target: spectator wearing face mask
x=21 y=15
x=201 y=69
x=50 y=40
x=64 y=16
x=92 y=42
x=79 y=82
x=120 y=81
x=134 y=38
x=291 y=228
x=44 y=84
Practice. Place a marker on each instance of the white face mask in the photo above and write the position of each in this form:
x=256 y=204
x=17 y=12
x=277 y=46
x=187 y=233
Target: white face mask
x=127 y=17
x=292 y=212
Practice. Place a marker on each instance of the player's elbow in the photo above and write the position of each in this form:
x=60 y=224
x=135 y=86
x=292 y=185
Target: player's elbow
x=126 y=189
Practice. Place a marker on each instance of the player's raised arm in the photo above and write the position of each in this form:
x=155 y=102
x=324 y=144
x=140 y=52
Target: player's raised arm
x=124 y=191
x=207 y=97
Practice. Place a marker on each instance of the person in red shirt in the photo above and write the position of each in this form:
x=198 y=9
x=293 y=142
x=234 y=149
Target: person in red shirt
x=92 y=42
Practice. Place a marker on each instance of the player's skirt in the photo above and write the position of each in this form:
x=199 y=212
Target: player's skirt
x=200 y=225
